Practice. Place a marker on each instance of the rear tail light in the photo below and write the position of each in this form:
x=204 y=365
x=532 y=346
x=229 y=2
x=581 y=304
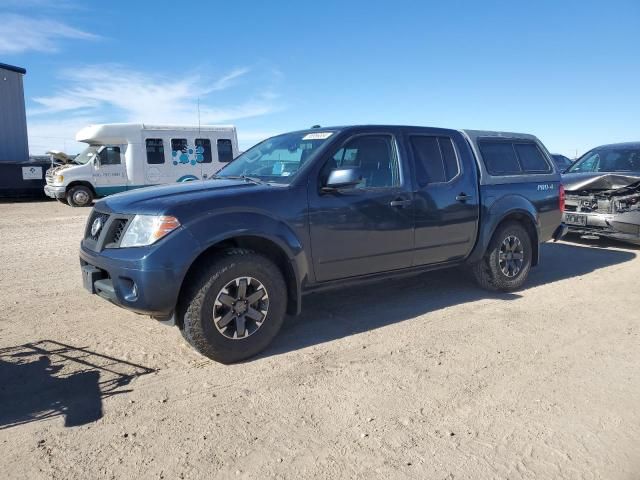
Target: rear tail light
x=561 y=198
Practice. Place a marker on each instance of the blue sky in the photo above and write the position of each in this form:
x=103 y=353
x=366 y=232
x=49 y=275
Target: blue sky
x=568 y=72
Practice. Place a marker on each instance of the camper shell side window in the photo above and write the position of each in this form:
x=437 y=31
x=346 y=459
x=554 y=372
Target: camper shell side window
x=513 y=157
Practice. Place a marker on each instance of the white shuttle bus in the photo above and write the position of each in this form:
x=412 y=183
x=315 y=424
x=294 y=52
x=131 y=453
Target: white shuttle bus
x=124 y=156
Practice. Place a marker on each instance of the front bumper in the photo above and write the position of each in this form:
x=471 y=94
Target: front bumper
x=54 y=192
x=623 y=226
x=145 y=280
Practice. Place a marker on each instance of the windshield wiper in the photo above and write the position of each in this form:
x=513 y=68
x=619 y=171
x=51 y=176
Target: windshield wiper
x=246 y=178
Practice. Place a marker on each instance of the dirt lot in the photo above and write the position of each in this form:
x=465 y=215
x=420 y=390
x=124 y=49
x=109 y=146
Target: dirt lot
x=428 y=377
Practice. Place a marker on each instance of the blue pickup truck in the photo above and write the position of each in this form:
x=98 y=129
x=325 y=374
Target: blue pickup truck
x=225 y=259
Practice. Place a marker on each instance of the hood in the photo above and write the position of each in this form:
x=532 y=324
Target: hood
x=598 y=181
x=55 y=170
x=159 y=199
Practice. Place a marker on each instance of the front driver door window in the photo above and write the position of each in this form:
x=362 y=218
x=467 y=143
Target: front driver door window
x=367 y=228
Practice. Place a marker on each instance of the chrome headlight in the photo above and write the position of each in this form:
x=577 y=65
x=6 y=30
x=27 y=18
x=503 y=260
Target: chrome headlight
x=59 y=179
x=147 y=229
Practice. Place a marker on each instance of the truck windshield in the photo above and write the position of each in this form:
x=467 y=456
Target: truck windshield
x=608 y=160
x=277 y=159
x=86 y=155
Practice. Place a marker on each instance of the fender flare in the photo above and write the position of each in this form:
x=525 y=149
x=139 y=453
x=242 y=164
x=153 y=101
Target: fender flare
x=215 y=230
x=510 y=206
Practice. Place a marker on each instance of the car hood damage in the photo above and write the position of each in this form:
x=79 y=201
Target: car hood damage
x=610 y=202
x=597 y=181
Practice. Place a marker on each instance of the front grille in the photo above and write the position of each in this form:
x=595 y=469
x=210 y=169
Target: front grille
x=104 y=217
x=110 y=232
x=118 y=229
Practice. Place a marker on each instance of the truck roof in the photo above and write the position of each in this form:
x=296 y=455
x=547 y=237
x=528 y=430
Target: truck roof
x=475 y=134
x=469 y=132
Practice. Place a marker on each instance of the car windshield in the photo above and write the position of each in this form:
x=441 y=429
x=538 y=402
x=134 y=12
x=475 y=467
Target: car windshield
x=277 y=159
x=615 y=159
x=561 y=161
x=86 y=155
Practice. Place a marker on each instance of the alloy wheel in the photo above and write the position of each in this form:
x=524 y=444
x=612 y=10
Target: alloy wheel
x=240 y=308
x=511 y=257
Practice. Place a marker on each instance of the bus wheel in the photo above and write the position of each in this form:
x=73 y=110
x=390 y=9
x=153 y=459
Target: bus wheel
x=79 y=196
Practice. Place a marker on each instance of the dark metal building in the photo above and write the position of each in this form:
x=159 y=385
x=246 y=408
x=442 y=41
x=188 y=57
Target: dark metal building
x=14 y=146
x=18 y=175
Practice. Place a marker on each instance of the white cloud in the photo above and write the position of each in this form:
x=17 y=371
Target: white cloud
x=139 y=97
x=21 y=33
x=56 y=134
x=113 y=93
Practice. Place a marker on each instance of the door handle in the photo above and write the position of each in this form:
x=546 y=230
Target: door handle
x=463 y=197
x=400 y=203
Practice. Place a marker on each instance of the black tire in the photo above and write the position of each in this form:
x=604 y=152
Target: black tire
x=63 y=201
x=79 y=196
x=199 y=301
x=490 y=273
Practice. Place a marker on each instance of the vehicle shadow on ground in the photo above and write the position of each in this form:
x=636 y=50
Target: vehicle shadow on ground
x=25 y=199
x=601 y=242
x=339 y=313
x=47 y=379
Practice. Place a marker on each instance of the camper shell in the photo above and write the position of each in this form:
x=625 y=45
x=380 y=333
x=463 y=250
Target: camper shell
x=125 y=156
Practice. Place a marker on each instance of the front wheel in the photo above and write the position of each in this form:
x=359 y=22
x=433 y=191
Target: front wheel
x=506 y=264
x=235 y=307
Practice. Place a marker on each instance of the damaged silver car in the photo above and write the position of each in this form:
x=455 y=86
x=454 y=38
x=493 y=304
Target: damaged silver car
x=602 y=193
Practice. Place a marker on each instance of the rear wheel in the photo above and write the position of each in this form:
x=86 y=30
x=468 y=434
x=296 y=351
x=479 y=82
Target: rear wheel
x=79 y=196
x=235 y=307
x=506 y=264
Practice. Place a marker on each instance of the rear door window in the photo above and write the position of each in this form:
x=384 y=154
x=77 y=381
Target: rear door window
x=435 y=158
x=449 y=157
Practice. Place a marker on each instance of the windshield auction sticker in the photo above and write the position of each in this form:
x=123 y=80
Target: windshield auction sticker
x=317 y=136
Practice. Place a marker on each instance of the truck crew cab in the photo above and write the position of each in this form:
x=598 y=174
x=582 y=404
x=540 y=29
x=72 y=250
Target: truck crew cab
x=226 y=258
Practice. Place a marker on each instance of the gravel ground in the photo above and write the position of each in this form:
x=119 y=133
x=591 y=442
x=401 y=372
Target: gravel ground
x=428 y=377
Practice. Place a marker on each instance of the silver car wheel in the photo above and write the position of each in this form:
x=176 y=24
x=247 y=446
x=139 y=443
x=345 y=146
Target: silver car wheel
x=80 y=197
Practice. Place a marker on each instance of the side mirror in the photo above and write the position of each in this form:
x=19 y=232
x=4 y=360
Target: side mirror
x=96 y=159
x=342 y=178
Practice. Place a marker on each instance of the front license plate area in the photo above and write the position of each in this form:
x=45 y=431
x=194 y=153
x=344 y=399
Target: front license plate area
x=89 y=276
x=575 y=219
